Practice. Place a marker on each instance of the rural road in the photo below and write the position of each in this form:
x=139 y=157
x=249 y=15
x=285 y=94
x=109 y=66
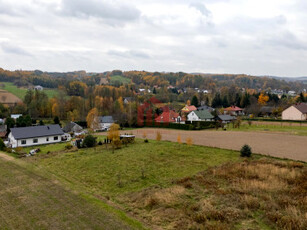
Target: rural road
x=273 y=144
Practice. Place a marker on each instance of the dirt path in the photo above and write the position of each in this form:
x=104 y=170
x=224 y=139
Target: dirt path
x=6 y=157
x=273 y=144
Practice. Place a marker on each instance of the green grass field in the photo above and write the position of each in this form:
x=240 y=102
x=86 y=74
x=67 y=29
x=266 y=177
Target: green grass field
x=99 y=170
x=121 y=79
x=294 y=129
x=166 y=185
x=29 y=200
x=21 y=92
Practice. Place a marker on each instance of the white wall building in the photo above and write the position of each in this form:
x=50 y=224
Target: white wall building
x=295 y=112
x=35 y=135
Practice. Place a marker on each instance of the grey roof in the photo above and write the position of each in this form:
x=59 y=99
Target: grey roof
x=302 y=107
x=71 y=126
x=226 y=117
x=106 y=119
x=36 y=131
x=203 y=114
x=205 y=107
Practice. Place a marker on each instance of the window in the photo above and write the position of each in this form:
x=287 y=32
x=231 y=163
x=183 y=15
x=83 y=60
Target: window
x=35 y=140
x=55 y=138
x=23 y=142
x=47 y=138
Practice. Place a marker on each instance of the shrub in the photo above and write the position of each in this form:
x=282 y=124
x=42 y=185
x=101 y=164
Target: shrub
x=100 y=143
x=246 y=151
x=68 y=146
x=2 y=145
x=159 y=136
x=89 y=141
x=189 y=141
x=146 y=141
x=179 y=139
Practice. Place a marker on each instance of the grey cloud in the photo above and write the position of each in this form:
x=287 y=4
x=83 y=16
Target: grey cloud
x=129 y=54
x=286 y=39
x=201 y=8
x=109 y=10
x=14 y=49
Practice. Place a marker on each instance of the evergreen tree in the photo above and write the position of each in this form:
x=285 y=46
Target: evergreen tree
x=195 y=101
x=217 y=101
x=225 y=102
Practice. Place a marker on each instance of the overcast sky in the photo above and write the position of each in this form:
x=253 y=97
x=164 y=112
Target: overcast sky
x=261 y=37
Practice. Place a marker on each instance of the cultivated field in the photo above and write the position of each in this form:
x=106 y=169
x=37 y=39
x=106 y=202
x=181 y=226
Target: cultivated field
x=280 y=145
x=167 y=185
x=8 y=98
x=21 y=92
x=30 y=200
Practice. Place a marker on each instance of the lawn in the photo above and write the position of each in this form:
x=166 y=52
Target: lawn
x=161 y=162
x=29 y=200
x=121 y=79
x=278 y=127
x=21 y=92
x=168 y=185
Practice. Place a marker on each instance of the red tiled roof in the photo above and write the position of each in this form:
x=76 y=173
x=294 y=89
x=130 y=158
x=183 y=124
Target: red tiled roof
x=190 y=108
x=167 y=116
x=233 y=108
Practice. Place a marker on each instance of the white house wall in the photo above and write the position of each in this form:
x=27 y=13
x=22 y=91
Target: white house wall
x=29 y=141
x=293 y=113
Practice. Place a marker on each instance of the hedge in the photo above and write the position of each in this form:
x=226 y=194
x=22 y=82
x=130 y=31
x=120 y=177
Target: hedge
x=273 y=120
x=199 y=125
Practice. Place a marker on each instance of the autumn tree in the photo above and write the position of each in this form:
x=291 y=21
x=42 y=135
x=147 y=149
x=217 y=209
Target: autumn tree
x=113 y=135
x=263 y=99
x=92 y=119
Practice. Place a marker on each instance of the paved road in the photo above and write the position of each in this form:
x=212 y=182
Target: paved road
x=273 y=144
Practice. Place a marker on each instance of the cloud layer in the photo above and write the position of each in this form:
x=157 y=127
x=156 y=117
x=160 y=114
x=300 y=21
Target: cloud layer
x=221 y=36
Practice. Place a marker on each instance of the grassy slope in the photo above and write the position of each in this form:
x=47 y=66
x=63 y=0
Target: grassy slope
x=121 y=79
x=21 y=92
x=187 y=187
x=99 y=170
x=30 y=201
x=295 y=130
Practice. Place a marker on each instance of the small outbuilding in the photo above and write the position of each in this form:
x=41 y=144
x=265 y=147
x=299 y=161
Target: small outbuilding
x=72 y=127
x=225 y=119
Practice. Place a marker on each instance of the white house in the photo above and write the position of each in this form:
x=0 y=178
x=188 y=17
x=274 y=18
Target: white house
x=295 y=112
x=39 y=88
x=104 y=123
x=200 y=115
x=35 y=135
x=15 y=116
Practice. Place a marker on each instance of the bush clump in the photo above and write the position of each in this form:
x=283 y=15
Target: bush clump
x=68 y=146
x=89 y=141
x=146 y=140
x=2 y=145
x=246 y=151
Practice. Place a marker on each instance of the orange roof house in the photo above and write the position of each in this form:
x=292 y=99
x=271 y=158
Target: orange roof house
x=233 y=110
x=169 y=117
x=188 y=109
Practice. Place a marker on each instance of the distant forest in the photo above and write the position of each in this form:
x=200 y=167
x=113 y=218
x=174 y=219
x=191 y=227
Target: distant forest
x=143 y=79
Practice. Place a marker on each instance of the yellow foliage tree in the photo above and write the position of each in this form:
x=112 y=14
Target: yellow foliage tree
x=188 y=102
x=263 y=99
x=189 y=141
x=55 y=110
x=158 y=136
x=73 y=115
x=121 y=104
x=179 y=139
x=92 y=119
x=113 y=135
